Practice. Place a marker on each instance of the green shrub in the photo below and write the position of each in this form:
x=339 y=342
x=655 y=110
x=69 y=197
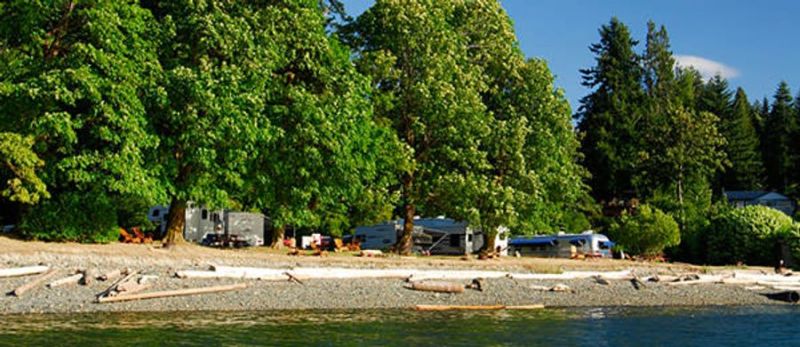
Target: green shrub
x=647 y=232
x=747 y=235
x=72 y=216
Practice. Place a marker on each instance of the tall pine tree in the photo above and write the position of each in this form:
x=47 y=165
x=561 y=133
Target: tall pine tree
x=608 y=116
x=746 y=168
x=779 y=128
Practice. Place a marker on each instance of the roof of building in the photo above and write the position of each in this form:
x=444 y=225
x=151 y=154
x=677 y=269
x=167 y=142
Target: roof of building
x=744 y=194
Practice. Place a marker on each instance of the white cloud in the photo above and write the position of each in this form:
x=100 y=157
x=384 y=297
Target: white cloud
x=707 y=68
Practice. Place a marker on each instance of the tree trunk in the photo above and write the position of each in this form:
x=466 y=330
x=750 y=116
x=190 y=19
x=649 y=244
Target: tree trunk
x=406 y=242
x=176 y=224
x=277 y=237
x=488 y=244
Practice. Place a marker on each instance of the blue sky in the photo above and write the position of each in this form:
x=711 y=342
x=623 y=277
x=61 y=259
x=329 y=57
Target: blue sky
x=755 y=44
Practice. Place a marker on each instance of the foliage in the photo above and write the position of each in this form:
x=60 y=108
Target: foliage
x=781 y=128
x=747 y=235
x=72 y=216
x=73 y=78
x=646 y=232
x=746 y=167
x=609 y=115
x=19 y=170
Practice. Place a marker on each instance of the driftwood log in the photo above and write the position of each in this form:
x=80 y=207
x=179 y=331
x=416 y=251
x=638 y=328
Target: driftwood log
x=438 y=287
x=23 y=271
x=33 y=284
x=73 y=279
x=171 y=293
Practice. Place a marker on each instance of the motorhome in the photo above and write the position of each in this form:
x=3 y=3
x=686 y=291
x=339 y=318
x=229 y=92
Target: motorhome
x=430 y=236
x=563 y=245
x=201 y=222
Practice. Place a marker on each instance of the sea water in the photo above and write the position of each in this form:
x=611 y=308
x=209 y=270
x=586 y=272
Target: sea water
x=705 y=326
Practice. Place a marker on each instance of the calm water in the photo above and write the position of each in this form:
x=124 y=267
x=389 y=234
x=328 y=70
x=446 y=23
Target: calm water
x=739 y=326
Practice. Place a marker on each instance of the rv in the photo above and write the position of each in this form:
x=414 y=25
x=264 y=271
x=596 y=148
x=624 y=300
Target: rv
x=430 y=236
x=563 y=245
x=204 y=225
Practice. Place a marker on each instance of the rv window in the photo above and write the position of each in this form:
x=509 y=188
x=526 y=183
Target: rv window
x=204 y=215
x=602 y=245
x=156 y=213
x=469 y=237
x=215 y=217
x=577 y=243
x=455 y=240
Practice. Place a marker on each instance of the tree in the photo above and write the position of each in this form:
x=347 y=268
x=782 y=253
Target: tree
x=746 y=169
x=218 y=60
x=18 y=170
x=609 y=115
x=779 y=128
x=646 y=232
x=73 y=79
x=330 y=163
x=426 y=88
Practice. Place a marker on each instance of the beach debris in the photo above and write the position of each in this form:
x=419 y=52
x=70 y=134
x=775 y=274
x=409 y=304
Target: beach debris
x=560 y=287
x=112 y=274
x=787 y=296
x=173 y=293
x=34 y=283
x=370 y=253
x=600 y=280
x=88 y=276
x=113 y=288
x=755 y=288
x=129 y=287
x=73 y=279
x=437 y=287
x=476 y=307
x=147 y=279
x=477 y=284
x=23 y=271
x=293 y=278
x=637 y=283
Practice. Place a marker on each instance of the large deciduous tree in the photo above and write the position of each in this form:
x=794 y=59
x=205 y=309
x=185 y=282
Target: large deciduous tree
x=428 y=90
x=73 y=79
x=218 y=59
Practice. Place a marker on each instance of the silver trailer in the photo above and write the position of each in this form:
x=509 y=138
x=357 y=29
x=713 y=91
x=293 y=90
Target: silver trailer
x=202 y=222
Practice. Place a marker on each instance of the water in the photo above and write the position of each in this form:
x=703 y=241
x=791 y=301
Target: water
x=730 y=326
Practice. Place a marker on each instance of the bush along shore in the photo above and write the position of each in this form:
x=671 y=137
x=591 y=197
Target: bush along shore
x=86 y=282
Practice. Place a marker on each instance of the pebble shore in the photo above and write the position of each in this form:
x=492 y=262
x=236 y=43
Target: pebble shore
x=333 y=294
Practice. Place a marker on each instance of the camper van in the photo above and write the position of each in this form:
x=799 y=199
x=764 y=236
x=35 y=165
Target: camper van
x=563 y=245
x=430 y=236
x=204 y=224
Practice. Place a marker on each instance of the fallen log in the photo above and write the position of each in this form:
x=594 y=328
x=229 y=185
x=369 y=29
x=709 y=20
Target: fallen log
x=787 y=296
x=703 y=280
x=130 y=287
x=114 y=285
x=23 y=271
x=88 y=276
x=111 y=275
x=34 y=283
x=438 y=287
x=276 y=275
x=475 y=307
x=74 y=279
x=172 y=293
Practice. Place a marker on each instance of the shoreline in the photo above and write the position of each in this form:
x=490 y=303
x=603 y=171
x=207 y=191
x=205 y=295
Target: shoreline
x=341 y=294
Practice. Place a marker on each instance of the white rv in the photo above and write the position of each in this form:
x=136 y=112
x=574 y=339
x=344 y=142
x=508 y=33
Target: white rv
x=202 y=222
x=431 y=235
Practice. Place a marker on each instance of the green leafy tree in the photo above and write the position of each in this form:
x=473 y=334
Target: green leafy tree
x=427 y=89
x=747 y=235
x=73 y=77
x=742 y=147
x=19 y=170
x=608 y=119
x=646 y=232
x=218 y=59
x=330 y=163
x=779 y=128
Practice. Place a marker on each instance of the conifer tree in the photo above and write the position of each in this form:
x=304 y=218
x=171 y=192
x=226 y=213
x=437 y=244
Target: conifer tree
x=608 y=119
x=746 y=168
x=779 y=128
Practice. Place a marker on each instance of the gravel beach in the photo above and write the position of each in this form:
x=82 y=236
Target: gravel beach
x=334 y=294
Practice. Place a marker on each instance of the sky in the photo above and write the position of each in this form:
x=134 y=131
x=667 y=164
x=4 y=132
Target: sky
x=754 y=44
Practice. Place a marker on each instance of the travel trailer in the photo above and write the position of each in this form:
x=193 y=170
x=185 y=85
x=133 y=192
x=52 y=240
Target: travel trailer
x=207 y=226
x=431 y=236
x=563 y=245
